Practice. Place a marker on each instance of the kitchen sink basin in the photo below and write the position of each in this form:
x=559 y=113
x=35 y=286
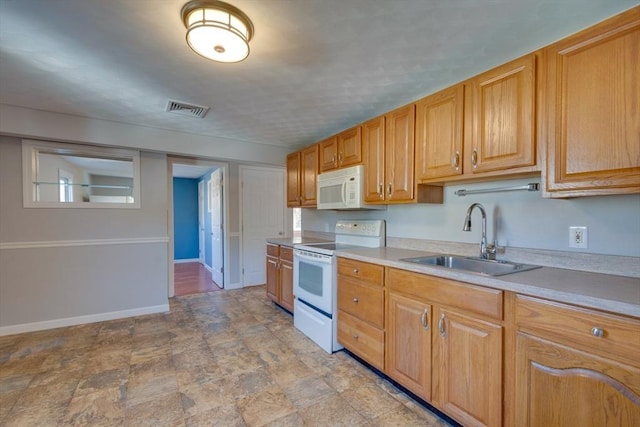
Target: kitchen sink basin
x=472 y=265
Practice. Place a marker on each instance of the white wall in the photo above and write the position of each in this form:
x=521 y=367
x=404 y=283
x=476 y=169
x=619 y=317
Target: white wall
x=25 y=122
x=516 y=219
x=65 y=266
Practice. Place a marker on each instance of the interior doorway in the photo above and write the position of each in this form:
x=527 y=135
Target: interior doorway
x=197 y=229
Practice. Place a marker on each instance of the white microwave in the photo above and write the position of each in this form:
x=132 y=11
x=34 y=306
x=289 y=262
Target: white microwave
x=343 y=189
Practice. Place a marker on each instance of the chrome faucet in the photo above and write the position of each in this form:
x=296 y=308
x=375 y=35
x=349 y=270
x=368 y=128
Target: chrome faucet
x=487 y=251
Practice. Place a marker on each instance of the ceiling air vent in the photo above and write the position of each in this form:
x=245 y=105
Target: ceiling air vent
x=185 y=109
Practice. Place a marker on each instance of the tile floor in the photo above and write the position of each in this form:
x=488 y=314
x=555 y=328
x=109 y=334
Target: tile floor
x=227 y=358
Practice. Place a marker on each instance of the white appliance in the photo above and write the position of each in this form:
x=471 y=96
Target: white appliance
x=315 y=279
x=343 y=189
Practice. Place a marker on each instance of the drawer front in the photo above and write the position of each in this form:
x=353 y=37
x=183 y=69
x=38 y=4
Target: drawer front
x=361 y=270
x=273 y=250
x=361 y=300
x=286 y=253
x=361 y=338
x=610 y=335
x=430 y=289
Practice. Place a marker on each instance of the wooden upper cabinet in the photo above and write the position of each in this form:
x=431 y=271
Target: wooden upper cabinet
x=342 y=150
x=439 y=134
x=500 y=124
x=294 y=197
x=350 y=147
x=373 y=148
x=399 y=154
x=592 y=104
x=309 y=168
x=328 y=152
x=302 y=171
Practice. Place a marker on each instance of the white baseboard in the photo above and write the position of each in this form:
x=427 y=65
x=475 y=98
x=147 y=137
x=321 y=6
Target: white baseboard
x=80 y=320
x=181 y=261
x=209 y=269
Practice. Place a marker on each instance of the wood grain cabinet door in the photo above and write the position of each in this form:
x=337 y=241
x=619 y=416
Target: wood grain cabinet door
x=272 y=278
x=399 y=154
x=373 y=135
x=408 y=358
x=592 y=101
x=350 y=147
x=467 y=363
x=328 y=152
x=309 y=167
x=294 y=197
x=439 y=131
x=560 y=386
x=501 y=124
x=286 y=285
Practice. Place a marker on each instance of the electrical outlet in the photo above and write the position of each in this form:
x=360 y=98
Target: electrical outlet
x=578 y=237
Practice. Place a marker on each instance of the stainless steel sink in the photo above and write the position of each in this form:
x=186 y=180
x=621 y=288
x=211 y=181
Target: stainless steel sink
x=472 y=265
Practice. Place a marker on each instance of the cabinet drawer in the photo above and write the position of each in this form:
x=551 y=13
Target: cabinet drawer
x=286 y=253
x=361 y=300
x=432 y=289
x=361 y=270
x=361 y=338
x=610 y=335
x=273 y=250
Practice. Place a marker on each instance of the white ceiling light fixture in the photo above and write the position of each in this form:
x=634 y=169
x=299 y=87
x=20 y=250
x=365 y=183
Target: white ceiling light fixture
x=217 y=30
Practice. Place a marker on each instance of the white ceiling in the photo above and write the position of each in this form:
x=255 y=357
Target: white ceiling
x=316 y=66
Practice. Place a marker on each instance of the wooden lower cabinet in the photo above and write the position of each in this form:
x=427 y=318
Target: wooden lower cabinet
x=467 y=368
x=443 y=346
x=560 y=386
x=409 y=344
x=361 y=310
x=280 y=275
x=575 y=366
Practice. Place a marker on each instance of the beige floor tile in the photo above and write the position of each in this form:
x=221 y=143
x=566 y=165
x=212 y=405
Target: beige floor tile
x=307 y=391
x=162 y=411
x=370 y=400
x=229 y=358
x=225 y=416
x=265 y=407
x=332 y=411
x=101 y=408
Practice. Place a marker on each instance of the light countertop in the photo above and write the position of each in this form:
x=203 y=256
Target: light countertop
x=617 y=294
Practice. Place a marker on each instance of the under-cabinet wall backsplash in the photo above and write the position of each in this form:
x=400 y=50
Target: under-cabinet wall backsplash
x=517 y=219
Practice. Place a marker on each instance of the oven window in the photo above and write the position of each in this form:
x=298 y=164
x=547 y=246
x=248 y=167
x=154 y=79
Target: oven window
x=310 y=278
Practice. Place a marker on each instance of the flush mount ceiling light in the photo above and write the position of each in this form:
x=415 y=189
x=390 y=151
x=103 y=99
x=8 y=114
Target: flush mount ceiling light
x=217 y=30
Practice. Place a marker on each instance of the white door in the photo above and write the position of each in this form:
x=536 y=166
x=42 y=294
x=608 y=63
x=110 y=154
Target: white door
x=201 y=236
x=263 y=216
x=217 y=238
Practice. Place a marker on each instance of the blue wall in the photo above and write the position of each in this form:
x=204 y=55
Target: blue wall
x=185 y=218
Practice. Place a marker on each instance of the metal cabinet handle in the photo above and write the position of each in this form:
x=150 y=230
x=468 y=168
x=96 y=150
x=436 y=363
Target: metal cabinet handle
x=355 y=300
x=425 y=324
x=355 y=337
x=340 y=158
x=380 y=190
x=474 y=158
x=355 y=271
x=390 y=189
x=455 y=161
x=333 y=159
x=441 y=326
x=597 y=332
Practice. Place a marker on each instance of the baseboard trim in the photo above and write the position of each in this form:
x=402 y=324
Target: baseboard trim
x=81 y=320
x=185 y=260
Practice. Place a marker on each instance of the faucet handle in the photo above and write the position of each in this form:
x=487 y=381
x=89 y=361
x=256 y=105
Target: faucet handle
x=491 y=250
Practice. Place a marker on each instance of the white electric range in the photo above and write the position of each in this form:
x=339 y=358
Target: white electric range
x=315 y=279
